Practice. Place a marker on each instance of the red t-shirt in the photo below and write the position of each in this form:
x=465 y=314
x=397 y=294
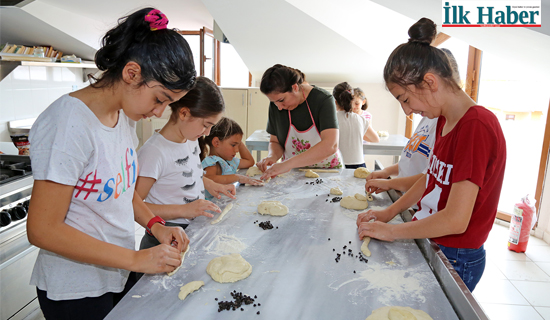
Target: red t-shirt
x=473 y=150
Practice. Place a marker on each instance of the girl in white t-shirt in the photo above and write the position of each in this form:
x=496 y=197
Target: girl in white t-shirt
x=353 y=128
x=171 y=177
x=84 y=203
x=359 y=106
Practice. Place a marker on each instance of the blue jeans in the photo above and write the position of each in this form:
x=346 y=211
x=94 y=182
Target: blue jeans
x=355 y=166
x=468 y=263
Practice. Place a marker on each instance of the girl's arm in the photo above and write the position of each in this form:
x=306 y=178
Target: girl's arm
x=385 y=173
x=174 y=211
x=275 y=152
x=453 y=219
x=247 y=160
x=46 y=229
x=322 y=150
x=371 y=135
x=215 y=174
x=401 y=184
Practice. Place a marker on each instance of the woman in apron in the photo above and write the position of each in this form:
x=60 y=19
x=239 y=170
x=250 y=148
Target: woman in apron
x=302 y=124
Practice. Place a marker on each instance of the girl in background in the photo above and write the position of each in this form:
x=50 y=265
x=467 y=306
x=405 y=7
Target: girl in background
x=460 y=192
x=170 y=176
x=218 y=151
x=359 y=106
x=353 y=128
x=85 y=166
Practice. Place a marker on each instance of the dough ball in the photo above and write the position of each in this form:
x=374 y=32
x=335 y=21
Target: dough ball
x=274 y=208
x=188 y=288
x=229 y=268
x=383 y=133
x=361 y=173
x=360 y=197
x=311 y=174
x=253 y=171
x=351 y=202
x=336 y=191
x=398 y=313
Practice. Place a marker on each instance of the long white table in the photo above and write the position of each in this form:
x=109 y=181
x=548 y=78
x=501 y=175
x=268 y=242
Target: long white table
x=388 y=146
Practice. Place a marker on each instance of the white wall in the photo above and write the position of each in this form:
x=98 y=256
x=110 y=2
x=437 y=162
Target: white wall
x=28 y=90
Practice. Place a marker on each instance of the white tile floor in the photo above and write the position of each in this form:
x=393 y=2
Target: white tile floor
x=515 y=286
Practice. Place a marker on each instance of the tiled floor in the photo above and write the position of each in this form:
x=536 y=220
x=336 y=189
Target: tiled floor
x=515 y=286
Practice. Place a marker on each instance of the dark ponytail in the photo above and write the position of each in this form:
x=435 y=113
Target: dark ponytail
x=342 y=93
x=410 y=61
x=224 y=129
x=203 y=101
x=163 y=55
x=280 y=79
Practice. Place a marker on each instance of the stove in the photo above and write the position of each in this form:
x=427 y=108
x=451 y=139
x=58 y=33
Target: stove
x=17 y=255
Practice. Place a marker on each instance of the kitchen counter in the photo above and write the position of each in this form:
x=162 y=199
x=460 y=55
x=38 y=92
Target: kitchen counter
x=294 y=275
x=388 y=146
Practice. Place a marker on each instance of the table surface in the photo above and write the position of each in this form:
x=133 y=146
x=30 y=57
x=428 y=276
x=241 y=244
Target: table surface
x=294 y=275
x=391 y=145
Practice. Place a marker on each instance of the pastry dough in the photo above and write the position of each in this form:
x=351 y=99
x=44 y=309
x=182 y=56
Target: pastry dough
x=322 y=170
x=353 y=202
x=229 y=268
x=311 y=174
x=182 y=257
x=369 y=197
x=274 y=208
x=253 y=171
x=365 y=246
x=188 y=288
x=224 y=212
x=361 y=173
x=398 y=313
x=336 y=191
x=383 y=133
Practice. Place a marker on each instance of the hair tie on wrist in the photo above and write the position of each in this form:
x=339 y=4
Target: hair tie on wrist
x=157 y=20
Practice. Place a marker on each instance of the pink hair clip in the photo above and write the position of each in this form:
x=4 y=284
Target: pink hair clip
x=157 y=20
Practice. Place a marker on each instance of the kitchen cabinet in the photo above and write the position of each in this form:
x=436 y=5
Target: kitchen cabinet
x=236 y=106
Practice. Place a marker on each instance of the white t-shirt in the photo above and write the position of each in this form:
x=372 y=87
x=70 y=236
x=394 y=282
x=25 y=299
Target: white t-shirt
x=416 y=154
x=70 y=146
x=352 y=129
x=177 y=169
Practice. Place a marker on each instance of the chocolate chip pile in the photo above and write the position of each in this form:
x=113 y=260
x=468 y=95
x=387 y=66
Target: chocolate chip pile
x=239 y=299
x=335 y=199
x=349 y=253
x=317 y=181
x=265 y=225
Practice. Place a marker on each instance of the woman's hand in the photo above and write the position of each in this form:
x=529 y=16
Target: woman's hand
x=377 y=230
x=248 y=180
x=199 y=208
x=377 y=185
x=265 y=163
x=161 y=258
x=215 y=189
x=275 y=170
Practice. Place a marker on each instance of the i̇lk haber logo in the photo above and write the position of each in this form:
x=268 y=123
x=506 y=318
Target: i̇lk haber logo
x=491 y=14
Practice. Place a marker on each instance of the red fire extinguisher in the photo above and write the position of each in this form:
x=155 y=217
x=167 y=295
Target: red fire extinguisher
x=523 y=220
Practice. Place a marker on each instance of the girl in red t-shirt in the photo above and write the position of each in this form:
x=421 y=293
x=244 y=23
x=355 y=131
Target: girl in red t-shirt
x=458 y=196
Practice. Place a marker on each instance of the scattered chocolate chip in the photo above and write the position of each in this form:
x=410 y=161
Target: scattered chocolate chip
x=216 y=299
x=353 y=271
x=328 y=239
x=242 y=309
x=258 y=312
x=255 y=297
x=350 y=242
x=333 y=249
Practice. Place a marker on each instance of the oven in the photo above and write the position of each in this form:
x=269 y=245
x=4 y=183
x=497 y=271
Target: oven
x=17 y=255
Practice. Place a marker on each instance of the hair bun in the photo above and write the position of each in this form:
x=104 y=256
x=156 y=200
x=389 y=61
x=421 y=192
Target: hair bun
x=423 y=31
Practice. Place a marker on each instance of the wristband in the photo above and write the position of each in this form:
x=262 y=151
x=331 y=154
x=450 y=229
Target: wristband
x=151 y=222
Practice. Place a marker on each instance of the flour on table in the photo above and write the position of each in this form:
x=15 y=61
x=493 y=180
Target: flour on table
x=398 y=313
x=224 y=244
x=229 y=268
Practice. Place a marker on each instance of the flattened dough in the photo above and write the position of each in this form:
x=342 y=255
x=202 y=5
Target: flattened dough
x=229 y=268
x=224 y=212
x=274 y=208
x=336 y=191
x=253 y=171
x=351 y=202
x=182 y=255
x=188 y=288
x=398 y=313
x=365 y=246
x=361 y=173
x=360 y=197
x=311 y=174
x=322 y=170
